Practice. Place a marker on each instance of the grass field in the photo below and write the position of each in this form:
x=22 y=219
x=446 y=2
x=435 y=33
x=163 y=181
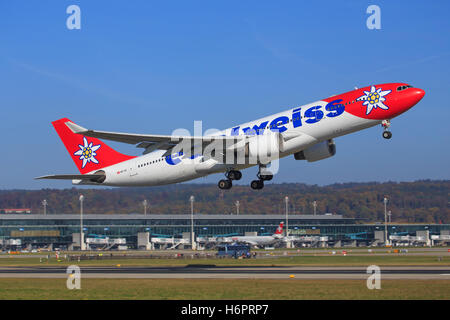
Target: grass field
x=285 y=289
x=172 y=289
x=305 y=260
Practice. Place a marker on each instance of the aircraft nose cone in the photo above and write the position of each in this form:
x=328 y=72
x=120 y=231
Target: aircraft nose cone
x=419 y=93
x=411 y=97
x=406 y=100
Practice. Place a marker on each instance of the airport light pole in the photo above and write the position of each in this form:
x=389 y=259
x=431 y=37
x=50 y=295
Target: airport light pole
x=315 y=206
x=385 y=200
x=145 y=206
x=288 y=243
x=192 y=199
x=44 y=203
x=286 y=199
x=237 y=207
x=389 y=214
x=81 y=223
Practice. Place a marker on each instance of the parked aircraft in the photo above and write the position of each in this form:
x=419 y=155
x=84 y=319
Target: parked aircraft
x=257 y=240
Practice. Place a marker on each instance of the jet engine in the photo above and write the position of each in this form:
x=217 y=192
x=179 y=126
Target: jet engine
x=319 y=151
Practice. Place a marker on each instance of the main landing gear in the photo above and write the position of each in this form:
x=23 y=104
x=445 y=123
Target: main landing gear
x=231 y=175
x=386 y=133
x=263 y=175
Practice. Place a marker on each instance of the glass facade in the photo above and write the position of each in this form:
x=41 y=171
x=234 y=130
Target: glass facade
x=127 y=226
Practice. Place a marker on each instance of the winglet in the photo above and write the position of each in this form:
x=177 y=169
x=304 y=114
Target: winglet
x=75 y=128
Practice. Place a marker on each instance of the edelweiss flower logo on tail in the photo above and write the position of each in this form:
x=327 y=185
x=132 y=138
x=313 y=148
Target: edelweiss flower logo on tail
x=374 y=99
x=87 y=152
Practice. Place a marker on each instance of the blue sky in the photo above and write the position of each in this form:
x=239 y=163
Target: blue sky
x=152 y=67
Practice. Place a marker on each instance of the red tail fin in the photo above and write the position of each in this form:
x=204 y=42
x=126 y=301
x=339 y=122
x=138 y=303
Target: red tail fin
x=280 y=228
x=89 y=154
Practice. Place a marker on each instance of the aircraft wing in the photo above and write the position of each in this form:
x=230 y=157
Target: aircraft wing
x=149 y=141
x=177 y=143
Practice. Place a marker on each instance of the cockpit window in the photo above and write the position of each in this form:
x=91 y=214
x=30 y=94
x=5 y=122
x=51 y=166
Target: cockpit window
x=403 y=87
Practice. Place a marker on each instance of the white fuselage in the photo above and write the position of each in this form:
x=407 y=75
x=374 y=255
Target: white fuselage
x=253 y=240
x=153 y=169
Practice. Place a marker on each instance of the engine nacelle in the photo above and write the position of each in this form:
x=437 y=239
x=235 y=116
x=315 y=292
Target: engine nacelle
x=319 y=151
x=263 y=148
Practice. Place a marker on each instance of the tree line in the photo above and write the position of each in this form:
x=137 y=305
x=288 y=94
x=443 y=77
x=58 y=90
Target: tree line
x=423 y=201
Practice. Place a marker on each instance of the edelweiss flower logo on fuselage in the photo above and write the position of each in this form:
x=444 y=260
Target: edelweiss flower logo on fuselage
x=374 y=99
x=87 y=152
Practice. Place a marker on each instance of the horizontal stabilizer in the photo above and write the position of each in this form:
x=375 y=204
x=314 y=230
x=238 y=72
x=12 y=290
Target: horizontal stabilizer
x=92 y=177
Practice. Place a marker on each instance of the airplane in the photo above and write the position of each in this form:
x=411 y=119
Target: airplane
x=307 y=132
x=257 y=240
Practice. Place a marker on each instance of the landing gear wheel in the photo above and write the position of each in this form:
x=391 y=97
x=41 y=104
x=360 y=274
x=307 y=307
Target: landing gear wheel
x=234 y=175
x=257 y=184
x=225 y=184
x=387 y=134
x=265 y=177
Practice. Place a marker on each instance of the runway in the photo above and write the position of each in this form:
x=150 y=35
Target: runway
x=230 y=272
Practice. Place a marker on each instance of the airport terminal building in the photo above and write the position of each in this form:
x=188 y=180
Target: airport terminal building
x=127 y=231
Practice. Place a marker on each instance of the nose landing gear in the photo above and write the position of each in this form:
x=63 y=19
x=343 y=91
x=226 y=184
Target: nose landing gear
x=386 y=133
